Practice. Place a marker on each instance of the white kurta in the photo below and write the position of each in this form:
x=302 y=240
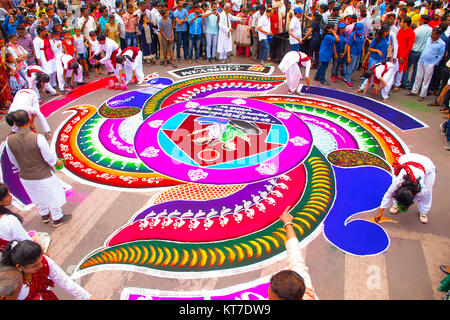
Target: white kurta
x=28 y=100
x=388 y=77
x=65 y=59
x=47 y=193
x=224 y=39
x=424 y=197
x=129 y=67
x=290 y=67
x=297 y=263
x=11 y=229
x=32 y=80
x=57 y=44
x=61 y=279
x=50 y=65
x=108 y=47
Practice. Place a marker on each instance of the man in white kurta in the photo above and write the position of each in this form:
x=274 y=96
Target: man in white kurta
x=132 y=63
x=68 y=74
x=45 y=51
x=426 y=181
x=383 y=79
x=31 y=153
x=224 y=40
x=111 y=50
x=31 y=75
x=290 y=66
x=28 y=100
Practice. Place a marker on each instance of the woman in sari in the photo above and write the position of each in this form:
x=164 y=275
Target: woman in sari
x=6 y=96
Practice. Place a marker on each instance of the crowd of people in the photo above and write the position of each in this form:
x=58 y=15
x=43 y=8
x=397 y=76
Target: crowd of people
x=48 y=46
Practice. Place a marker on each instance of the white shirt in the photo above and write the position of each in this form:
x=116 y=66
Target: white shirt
x=424 y=196
x=25 y=99
x=61 y=279
x=297 y=263
x=91 y=25
x=65 y=61
x=296 y=29
x=109 y=47
x=264 y=24
x=12 y=229
x=156 y=16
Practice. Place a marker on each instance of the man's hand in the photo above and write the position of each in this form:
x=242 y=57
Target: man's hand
x=286 y=216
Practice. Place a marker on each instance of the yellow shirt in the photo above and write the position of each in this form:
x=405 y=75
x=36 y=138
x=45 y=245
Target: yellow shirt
x=415 y=17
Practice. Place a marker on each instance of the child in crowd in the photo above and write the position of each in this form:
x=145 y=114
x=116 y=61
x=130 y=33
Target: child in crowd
x=327 y=49
x=15 y=79
x=340 y=61
x=68 y=44
x=167 y=35
x=80 y=45
x=93 y=45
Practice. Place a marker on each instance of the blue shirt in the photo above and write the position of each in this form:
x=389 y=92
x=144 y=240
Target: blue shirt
x=195 y=27
x=433 y=52
x=211 y=24
x=382 y=8
x=11 y=28
x=355 y=42
x=102 y=21
x=326 y=48
x=340 y=46
x=382 y=46
x=180 y=14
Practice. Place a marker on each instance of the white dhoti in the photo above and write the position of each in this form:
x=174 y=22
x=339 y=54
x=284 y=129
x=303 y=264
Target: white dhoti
x=48 y=195
x=135 y=66
x=289 y=65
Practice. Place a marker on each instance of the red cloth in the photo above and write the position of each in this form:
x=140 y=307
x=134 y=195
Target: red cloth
x=405 y=39
x=3 y=244
x=406 y=166
x=40 y=283
x=48 y=52
x=32 y=70
x=375 y=79
x=433 y=23
x=133 y=49
x=113 y=57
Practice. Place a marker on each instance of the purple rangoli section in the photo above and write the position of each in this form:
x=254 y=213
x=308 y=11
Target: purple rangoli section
x=112 y=141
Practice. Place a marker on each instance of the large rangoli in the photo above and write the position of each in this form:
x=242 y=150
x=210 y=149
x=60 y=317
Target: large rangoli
x=232 y=155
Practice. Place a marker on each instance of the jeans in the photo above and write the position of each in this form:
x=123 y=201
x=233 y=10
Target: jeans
x=182 y=40
x=354 y=63
x=130 y=39
x=446 y=128
x=413 y=60
x=321 y=71
x=336 y=66
x=211 y=45
x=264 y=51
x=194 y=40
x=295 y=47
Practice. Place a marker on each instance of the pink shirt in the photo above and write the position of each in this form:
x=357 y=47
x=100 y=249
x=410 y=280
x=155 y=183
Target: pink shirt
x=130 y=22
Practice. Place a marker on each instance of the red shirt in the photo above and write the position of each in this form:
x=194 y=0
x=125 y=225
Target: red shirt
x=68 y=46
x=405 y=39
x=433 y=23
